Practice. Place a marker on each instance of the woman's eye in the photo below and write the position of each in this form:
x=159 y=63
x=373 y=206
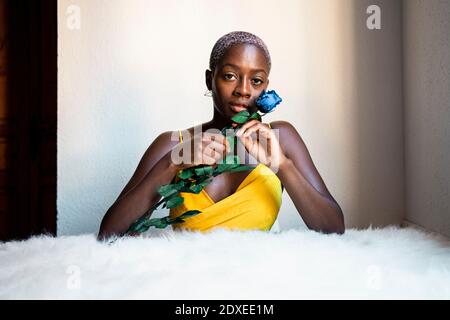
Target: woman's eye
x=257 y=81
x=229 y=76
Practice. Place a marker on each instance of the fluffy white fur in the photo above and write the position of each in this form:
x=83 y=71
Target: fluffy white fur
x=385 y=263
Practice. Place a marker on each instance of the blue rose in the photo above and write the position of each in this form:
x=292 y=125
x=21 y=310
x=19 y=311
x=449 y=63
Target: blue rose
x=267 y=101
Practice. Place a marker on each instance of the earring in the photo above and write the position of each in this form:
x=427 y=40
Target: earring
x=208 y=93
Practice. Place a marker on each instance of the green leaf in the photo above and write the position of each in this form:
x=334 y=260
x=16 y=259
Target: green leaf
x=196 y=188
x=219 y=169
x=168 y=189
x=177 y=220
x=187 y=214
x=174 y=202
x=190 y=213
x=166 y=219
x=204 y=171
x=231 y=162
x=181 y=184
x=187 y=190
x=255 y=116
x=206 y=181
x=136 y=226
x=186 y=173
x=241 y=117
x=140 y=225
x=159 y=223
x=141 y=229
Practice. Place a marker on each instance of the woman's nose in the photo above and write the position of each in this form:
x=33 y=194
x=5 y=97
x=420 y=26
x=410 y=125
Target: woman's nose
x=243 y=89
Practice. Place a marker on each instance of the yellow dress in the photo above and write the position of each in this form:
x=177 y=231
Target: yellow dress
x=254 y=205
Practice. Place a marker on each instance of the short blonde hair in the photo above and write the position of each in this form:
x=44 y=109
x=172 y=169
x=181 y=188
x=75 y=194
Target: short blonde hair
x=233 y=38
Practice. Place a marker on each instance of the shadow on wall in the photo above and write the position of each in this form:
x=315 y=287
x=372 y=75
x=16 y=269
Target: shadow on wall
x=376 y=69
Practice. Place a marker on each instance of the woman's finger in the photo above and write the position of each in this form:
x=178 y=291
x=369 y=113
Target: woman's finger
x=256 y=128
x=218 y=138
x=214 y=153
x=248 y=143
x=215 y=146
x=264 y=129
x=245 y=126
x=208 y=160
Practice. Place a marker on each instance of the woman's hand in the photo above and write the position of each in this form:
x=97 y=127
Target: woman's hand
x=262 y=143
x=203 y=148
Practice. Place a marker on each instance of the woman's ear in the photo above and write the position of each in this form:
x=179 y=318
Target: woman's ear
x=208 y=79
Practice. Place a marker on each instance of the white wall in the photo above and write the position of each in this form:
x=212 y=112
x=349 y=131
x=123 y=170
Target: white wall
x=427 y=113
x=136 y=66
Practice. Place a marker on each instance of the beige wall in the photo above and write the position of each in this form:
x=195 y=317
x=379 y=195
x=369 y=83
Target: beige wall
x=427 y=113
x=373 y=84
x=136 y=68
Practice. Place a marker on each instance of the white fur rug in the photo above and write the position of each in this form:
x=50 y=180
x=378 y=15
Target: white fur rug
x=386 y=263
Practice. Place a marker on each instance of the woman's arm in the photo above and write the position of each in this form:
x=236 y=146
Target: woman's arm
x=140 y=194
x=304 y=184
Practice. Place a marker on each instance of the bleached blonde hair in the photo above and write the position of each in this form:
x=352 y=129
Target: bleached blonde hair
x=233 y=38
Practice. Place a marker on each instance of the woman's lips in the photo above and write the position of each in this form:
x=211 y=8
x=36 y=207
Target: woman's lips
x=238 y=107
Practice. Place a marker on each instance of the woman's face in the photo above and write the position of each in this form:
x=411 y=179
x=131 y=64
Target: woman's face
x=238 y=80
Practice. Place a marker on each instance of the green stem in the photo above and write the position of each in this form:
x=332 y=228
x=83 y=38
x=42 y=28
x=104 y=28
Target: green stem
x=154 y=207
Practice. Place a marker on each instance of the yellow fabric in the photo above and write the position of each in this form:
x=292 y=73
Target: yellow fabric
x=253 y=206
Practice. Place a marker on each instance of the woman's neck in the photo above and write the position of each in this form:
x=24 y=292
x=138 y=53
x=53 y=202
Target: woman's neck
x=217 y=122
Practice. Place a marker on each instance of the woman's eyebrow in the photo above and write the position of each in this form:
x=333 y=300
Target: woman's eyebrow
x=237 y=67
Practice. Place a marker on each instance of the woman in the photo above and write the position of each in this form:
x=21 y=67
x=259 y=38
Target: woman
x=238 y=73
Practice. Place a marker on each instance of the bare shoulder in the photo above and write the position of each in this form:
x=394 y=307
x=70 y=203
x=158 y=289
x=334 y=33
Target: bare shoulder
x=295 y=149
x=283 y=125
x=159 y=147
x=167 y=139
x=289 y=136
x=162 y=144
